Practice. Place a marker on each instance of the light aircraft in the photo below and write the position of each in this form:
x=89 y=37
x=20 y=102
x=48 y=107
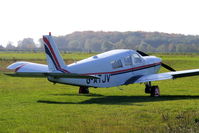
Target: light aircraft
x=113 y=68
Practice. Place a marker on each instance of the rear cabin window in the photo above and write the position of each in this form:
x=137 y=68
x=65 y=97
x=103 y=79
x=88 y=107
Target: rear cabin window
x=137 y=58
x=128 y=61
x=116 y=64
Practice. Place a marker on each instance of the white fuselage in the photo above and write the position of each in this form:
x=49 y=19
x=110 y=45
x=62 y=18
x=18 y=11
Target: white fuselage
x=114 y=68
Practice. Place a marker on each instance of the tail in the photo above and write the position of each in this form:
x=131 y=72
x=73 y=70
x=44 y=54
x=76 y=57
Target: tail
x=54 y=59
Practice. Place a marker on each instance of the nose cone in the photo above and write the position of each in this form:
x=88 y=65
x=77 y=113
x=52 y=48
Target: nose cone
x=158 y=59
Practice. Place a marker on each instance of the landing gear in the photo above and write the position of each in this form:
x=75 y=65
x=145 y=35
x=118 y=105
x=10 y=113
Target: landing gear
x=83 y=90
x=153 y=90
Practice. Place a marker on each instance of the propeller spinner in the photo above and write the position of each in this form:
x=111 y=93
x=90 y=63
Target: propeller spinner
x=162 y=64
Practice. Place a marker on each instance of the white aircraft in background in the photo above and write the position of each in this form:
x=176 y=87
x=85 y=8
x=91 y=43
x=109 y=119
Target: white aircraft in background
x=112 y=68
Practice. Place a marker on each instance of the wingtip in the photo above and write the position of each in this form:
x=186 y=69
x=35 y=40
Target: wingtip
x=9 y=74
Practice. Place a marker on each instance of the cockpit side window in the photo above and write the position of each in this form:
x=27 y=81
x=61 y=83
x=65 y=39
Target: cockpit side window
x=116 y=64
x=128 y=61
x=137 y=59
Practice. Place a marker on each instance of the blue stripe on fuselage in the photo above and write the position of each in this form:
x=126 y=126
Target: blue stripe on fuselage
x=49 y=54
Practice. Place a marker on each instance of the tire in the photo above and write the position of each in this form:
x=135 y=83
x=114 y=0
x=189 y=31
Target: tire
x=155 y=91
x=83 y=90
x=148 y=90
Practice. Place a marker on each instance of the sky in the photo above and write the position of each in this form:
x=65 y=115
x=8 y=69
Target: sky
x=33 y=18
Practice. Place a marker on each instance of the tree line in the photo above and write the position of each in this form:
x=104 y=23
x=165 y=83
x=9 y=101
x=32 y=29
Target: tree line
x=89 y=41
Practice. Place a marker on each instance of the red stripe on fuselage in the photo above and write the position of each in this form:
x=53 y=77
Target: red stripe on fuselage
x=113 y=72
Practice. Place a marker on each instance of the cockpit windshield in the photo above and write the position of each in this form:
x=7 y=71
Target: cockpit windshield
x=137 y=59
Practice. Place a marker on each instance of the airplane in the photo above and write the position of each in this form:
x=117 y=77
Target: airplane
x=113 y=68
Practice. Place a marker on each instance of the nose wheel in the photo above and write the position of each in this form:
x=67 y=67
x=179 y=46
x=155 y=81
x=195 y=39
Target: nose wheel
x=153 y=90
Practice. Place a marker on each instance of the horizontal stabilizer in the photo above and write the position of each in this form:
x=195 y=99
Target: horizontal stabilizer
x=46 y=74
x=23 y=66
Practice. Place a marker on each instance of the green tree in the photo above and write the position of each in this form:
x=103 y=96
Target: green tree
x=106 y=46
x=10 y=46
x=74 y=45
x=26 y=43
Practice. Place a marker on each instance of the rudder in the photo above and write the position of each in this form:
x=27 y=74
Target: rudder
x=54 y=59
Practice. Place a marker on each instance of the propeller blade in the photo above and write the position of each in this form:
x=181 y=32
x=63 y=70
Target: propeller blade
x=168 y=67
x=142 y=53
x=163 y=64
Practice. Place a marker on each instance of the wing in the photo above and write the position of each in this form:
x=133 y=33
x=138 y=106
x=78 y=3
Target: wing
x=163 y=76
x=29 y=69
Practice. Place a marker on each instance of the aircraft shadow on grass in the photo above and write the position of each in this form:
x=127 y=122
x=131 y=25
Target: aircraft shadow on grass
x=123 y=100
x=91 y=95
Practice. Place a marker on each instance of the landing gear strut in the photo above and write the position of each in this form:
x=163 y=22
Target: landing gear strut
x=153 y=90
x=83 y=90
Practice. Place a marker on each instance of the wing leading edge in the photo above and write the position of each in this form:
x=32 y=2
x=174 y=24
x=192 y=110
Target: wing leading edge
x=164 y=76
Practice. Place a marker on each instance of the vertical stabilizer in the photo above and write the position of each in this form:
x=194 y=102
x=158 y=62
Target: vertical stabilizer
x=54 y=59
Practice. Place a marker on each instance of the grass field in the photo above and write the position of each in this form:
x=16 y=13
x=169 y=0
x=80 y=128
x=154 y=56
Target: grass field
x=34 y=105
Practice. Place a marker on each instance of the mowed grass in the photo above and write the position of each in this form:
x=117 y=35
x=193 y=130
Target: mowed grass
x=29 y=105
x=40 y=55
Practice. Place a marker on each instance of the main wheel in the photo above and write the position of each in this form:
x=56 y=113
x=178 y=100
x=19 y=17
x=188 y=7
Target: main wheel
x=155 y=91
x=148 y=89
x=83 y=90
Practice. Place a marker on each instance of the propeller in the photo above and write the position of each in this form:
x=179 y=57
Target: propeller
x=142 y=53
x=163 y=64
x=167 y=67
